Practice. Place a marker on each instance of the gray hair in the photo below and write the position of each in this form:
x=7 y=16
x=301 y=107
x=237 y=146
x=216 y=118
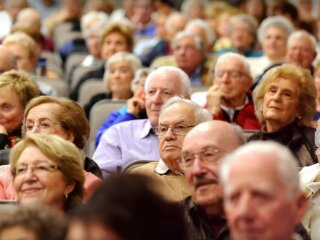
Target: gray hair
x=203 y=25
x=181 y=76
x=238 y=56
x=122 y=56
x=301 y=34
x=142 y=72
x=173 y=17
x=200 y=114
x=286 y=162
x=188 y=4
x=275 y=21
x=102 y=18
x=250 y=20
x=184 y=34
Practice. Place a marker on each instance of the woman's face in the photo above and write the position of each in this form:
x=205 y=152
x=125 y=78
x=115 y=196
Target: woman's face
x=11 y=110
x=281 y=102
x=120 y=77
x=38 y=179
x=274 y=43
x=112 y=43
x=23 y=58
x=43 y=118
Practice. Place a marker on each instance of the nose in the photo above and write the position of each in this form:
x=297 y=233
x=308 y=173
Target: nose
x=35 y=130
x=29 y=174
x=157 y=99
x=169 y=135
x=245 y=207
x=197 y=166
x=276 y=96
x=225 y=78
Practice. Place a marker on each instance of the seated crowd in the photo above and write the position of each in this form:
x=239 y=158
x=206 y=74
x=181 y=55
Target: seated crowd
x=215 y=133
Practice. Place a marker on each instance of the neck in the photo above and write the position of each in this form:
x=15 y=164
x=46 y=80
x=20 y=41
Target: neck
x=274 y=126
x=233 y=102
x=216 y=210
x=122 y=95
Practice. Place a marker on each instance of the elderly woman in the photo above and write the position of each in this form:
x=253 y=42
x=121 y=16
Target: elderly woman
x=121 y=68
x=59 y=116
x=16 y=90
x=272 y=34
x=285 y=104
x=134 y=109
x=116 y=37
x=47 y=169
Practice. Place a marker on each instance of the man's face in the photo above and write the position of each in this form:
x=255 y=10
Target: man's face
x=241 y=36
x=256 y=200
x=300 y=52
x=232 y=79
x=202 y=176
x=170 y=144
x=187 y=54
x=159 y=90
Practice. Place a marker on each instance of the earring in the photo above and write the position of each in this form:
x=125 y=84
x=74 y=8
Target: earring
x=299 y=116
x=66 y=195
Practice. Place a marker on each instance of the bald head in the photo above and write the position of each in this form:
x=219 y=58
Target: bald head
x=7 y=60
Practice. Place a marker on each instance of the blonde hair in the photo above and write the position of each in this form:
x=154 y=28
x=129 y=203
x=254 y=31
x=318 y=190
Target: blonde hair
x=297 y=75
x=21 y=83
x=62 y=152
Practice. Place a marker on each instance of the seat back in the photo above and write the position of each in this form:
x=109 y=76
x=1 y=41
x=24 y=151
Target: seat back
x=90 y=88
x=98 y=114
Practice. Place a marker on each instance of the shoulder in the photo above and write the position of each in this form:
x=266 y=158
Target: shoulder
x=164 y=61
x=143 y=169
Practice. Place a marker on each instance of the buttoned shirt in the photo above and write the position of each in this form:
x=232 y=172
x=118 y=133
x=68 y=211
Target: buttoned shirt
x=125 y=142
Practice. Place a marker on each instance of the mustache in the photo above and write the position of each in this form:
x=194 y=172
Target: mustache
x=199 y=181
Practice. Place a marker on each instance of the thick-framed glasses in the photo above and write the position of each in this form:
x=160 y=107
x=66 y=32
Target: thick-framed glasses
x=180 y=129
x=230 y=73
x=42 y=126
x=40 y=169
x=209 y=155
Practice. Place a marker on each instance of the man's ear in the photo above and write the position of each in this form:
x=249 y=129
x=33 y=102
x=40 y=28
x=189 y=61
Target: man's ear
x=302 y=205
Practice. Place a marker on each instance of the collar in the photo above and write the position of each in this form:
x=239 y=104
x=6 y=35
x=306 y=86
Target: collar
x=146 y=130
x=195 y=76
x=230 y=111
x=161 y=168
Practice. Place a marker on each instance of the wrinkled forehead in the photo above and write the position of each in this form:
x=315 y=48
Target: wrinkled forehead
x=165 y=80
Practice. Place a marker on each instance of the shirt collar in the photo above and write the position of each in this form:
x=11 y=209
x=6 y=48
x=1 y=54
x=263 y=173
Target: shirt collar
x=146 y=130
x=161 y=168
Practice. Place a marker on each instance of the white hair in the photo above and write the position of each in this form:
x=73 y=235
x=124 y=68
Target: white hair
x=182 y=77
x=301 y=34
x=286 y=162
x=238 y=56
x=102 y=18
x=204 y=25
x=201 y=114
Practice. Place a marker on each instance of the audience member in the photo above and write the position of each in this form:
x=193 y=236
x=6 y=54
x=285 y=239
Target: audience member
x=34 y=222
x=56 y=178
x=317 y=85
x=31 y=17
x=272 y=34
x=134 y=109
x=202 y=149
x=284 y=102
x=26 y=52
x=229 y=98
x=16 y=90
x=13 y=7
x=7 y=60
x=192 y=9
x=57 y=116
x=177 y=117
x=262 y=196
x=190 y=55
x=255 y=8
x=121 y=68
x=242 y=33
x=136 y=140
x=126 y=208
x=116 y=37
x=301 y=49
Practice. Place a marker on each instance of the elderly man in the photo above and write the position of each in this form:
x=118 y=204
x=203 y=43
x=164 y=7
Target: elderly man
x=135 y=140
x=301 y=49
x=229 y=98
x=190 y=55
x=262 y=196
x=177 y=117
x=202 y=149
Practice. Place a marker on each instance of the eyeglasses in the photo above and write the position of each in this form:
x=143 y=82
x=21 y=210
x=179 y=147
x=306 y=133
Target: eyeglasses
x=180 y=129
x=43 y=126
x=230 y=73
x=40 y=169
x=209 y=155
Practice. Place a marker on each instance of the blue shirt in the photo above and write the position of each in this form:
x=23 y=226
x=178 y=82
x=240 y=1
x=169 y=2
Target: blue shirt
x=125 y=142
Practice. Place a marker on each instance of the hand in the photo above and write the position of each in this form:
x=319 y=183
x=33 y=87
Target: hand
x=135 y=105
x=214 y=99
